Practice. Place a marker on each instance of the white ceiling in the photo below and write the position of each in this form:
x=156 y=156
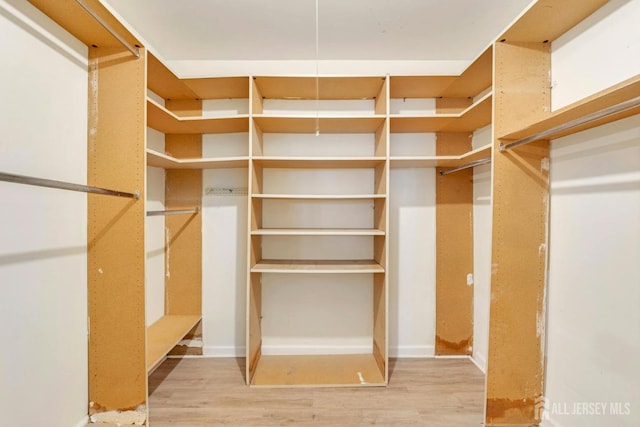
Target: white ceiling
x=277 y=30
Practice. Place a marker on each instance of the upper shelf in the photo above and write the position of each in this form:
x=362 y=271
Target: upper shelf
x=323 y=124
x=319 y=88
x=440 y=161
x=473 y=117
x=476 y=78
x=554 y=125
x=165 y=121
x=165 y=161
x=546 y=20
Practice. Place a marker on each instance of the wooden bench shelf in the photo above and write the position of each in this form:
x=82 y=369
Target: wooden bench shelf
x=334 y=370
x=164 y=334
x=317 y=266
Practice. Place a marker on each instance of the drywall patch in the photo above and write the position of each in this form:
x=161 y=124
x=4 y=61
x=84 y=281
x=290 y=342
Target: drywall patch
x=135 y=417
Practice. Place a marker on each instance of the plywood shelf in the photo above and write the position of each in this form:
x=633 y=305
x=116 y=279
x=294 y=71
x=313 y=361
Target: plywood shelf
x=319 y=196
x=317 y=232
x=324 y=123
x=546 y=20
x=338 y=88
x=319 y=162
x=440 y=161
x=165 y=121
x=624 y=91
x=164 y=334
x=334 y=370
x=317 y=266
x=165 y=161
x=474 y=117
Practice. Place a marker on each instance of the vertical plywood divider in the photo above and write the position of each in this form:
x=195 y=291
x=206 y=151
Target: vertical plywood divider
x=183 y=244
x=515 y=374
x=115 y=246
x=454 y=251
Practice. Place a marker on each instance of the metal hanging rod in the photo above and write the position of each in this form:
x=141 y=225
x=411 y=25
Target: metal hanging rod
x=106 y=26
x=50 y=183
x=467 y=166
x=174 y=212
x=618 y=108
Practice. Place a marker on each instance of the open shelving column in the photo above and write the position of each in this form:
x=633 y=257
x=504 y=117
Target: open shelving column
x=516 y=364
x=333 y=369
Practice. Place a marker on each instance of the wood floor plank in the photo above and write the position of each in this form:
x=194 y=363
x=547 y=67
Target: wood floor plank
x=212 y=392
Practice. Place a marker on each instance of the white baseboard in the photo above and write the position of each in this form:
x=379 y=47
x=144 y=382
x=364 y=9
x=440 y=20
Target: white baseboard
x=223 y=351
x=409 y=351
x=83 y=422
x=480 y=361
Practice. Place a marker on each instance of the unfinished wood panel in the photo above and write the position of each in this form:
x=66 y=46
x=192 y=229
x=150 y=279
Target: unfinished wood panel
x=454 y=251
x=310 y=124
x=382 y=140
x=452 y=105
x=73 y=18
x=164 y=83
x=382 y=99
x=515 y=374
x=255 y=99
x=476 y=78
x=254 y=325
x=319 y=162
x=335 y=370
x=319 y=88
x=115 y=247
x=381 y=322
x=474 y=117
x=419 y=124
x=317 y=232
x=183 y=247
x=547 y=20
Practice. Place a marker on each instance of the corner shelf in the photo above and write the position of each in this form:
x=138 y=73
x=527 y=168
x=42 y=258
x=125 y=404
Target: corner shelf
x=165 y=121
x=165 y=161
x=317 y=266
x=335 y=370
x=164 y=334
x=473 y=117
x=440 y=161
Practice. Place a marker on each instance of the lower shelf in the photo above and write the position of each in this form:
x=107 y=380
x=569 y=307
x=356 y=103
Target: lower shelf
x=164 y=334
x=334 y=370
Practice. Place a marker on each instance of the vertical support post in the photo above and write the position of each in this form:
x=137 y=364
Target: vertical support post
x=454 y=247
x=115 y=248
x=515 y=374
x=183 y=246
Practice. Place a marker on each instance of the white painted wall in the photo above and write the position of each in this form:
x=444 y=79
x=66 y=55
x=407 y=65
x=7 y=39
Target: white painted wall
x=593 y=327
x=154 y=234
x=43 y=237
x=482 y=225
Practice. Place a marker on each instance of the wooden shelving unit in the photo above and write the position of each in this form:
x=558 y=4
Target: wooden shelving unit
x=334 y=369
x=441 y=161
x=165 y=121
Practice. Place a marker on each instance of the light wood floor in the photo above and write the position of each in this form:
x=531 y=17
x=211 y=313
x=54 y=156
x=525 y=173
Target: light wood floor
x=212 y=392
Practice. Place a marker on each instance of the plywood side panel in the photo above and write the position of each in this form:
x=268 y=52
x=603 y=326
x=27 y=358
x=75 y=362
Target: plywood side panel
x=183 y=246
x=380 y=323
x=515 y=375
x=454 y=251
x=115 y=247
x=254 y=324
